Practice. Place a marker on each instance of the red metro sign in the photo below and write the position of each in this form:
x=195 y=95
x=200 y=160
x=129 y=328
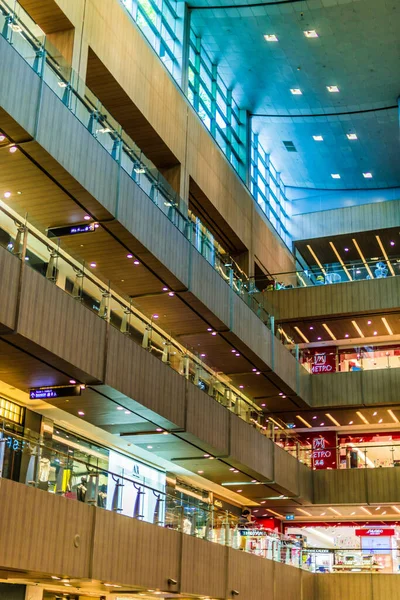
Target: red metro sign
x=324 y=451
x=323 y=362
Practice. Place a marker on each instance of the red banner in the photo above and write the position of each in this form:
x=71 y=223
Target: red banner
x=323 y=361
x=375 y=532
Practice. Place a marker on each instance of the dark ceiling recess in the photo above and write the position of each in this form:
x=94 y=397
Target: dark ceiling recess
x=290 y=147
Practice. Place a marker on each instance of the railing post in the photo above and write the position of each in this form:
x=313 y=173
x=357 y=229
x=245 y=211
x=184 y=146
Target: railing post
x=272 y=322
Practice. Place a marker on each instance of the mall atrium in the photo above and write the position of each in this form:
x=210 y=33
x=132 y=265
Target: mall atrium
x=200 y=315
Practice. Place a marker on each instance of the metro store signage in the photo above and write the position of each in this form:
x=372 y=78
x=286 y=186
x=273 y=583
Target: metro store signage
x=375 y=532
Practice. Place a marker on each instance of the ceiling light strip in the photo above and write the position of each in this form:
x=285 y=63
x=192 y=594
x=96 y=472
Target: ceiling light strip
x=315 y=257
x=334 y=511
x=287 y=338
x=386 y=324
x=366 y=510
x=341 y=261
x=304 y=512
x=325 y=326
x=362 y=417
x=362 y=258
x=333 y=419
x=306 y=423
x=356 y=327
x=274 y=513
x=301 y=334
x=276 y=423
x=389 y=264
x=396 y=508
x=395 y=419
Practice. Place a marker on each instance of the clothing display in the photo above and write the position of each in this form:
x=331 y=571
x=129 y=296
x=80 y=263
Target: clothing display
x=92 y=488
x=81 y=490
x=44 y=469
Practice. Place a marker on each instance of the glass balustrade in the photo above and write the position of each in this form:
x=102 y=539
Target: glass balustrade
x=352 y=359
x=31 y=43
x=348 y=455
x=332 y=273
x=48 y=257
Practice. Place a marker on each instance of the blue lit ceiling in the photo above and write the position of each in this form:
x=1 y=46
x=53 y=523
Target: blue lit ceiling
x=358 y=50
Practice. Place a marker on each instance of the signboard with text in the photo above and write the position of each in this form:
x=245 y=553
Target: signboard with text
x=324 y=451
x=323 y=362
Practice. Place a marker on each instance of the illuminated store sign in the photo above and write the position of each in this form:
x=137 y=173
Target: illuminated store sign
x=72 y=229
x=323 y=362
x=375 y=532
x=252 y=532
x=54 y=392
x=323 y=451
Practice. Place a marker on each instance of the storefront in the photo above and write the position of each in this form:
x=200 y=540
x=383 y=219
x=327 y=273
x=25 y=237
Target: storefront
x=348 y=548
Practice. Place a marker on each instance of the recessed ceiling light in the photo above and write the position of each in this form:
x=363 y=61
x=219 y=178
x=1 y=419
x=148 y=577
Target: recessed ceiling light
x=87 y=217
x=351 y=136
x=392 y=243
x=93 y=265
x=72 y=381
x=254 y=370
x=318 y=138
x=335 y=175
x=296 y=91
x=235 y=471
x=367 y=175
x=7 y=194
x=311 y=33
x=375 y=333
x=319 y=339
x=149 y=447
x=263 y=405
x=375 y=413
x=258 y=373
x=200 y=472
x=136 y=262
x=332 y=89
x=127 y=412
x=81 y=413
x=209 y=329
x=120 y=408
x=129 y=256
x=202 y=355
x=155 y=316
x=321 y=424
x=241 y=386
x=314 y=417
x=350 y=422
x=165 y=432
x=158 y=429
x=171 y=294
x=346 y=335
x=13 y=149
x=270 y=37
x=231 y=469
x=237 y=354
x=2 y=138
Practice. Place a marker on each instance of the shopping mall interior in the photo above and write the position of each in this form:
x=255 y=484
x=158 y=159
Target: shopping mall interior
x=200 y=315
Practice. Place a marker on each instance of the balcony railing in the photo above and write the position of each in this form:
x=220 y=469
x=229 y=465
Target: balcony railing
x=332 y=273
x=46 y=256
x=353 y=359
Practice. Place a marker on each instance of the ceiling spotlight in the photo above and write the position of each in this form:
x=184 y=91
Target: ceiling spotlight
x=2 y=138
x=335 y=175
x=86 y=218
x=214 y=333
x=93 y=265
x=202 y=355
x=318 y=138
x=81 y=413
x=158 y=429
x=209 y=329
x=367 y=175
x=332 y=89
x=155 y=316
x=321 y=424
x=369 y=322
x=72 y=381
x=171 y=294
x=7 y=194
x=375 y=333
x=127 y=412
x=200 y=472
x=352 y=136
x=392 y=243
x=120 y=408
x=237 y=354
x=129 y=256
x=136 y=262
x=270 y=37
x=311 y=33
x=296 y=91
x=13 y=149
x=319 y=339
x=254 y=370
x=350 y=422
x=346 y=335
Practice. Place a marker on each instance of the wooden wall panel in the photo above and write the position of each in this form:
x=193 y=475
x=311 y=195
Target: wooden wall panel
x=307 y=586
x=379 y=215
x=249 y=575
x=9 y=275
x=248 y=327
x=343 y=486
x=251 y=449
x=38 y=531
x=385 y=587
x=60 y=325
x=63 y=136
x=151 y=227
x=203 y=567
x=19 y=96
x=141 y=376
x=345 y=586
x=207 y=420
x=287 y=582
x=326 y=300
x=131 y=552
x=209 y=287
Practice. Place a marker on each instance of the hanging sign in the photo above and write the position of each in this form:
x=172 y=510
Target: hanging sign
x=54 y=392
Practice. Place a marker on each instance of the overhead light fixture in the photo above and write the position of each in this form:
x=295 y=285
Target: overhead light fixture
x=335 y=175
x=351 y=136
x=304 y=421
x=367 y=175
x=334 y=511
x=136 y=262
x=120 y=408
x=391 y=413
x=93 y=265
x=334 y=421
x=296 y=91
x=311 y=33
x=333 y=89
x=315 y=257
x=301 y=334
x=304 y=512
x=332 y=245
x=149 y=447
x=357 y=328
x=270 y=37
x=359 y=414
x=318 y=138
x=375 y=333
x=325 y=326
x=366 y=510
x=389 y=264
x=375 y=413
x=396 y=508
x=13 y=149
x=362 y=258
x=7 y=194
x=87 y=218
x=2 y=138
x=81 y=413
x=386 y=324
x=273 y=512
